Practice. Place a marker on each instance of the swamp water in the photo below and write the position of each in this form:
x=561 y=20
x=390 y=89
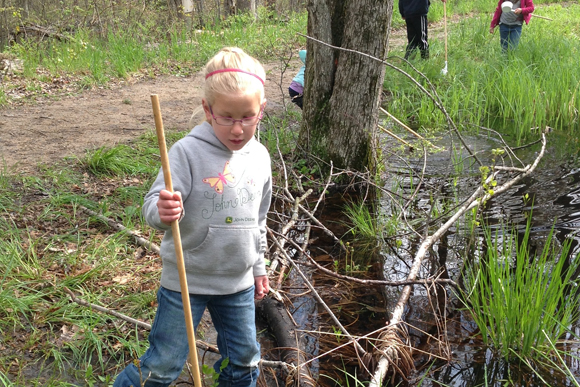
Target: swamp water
x=551 y=194
x=553 y=190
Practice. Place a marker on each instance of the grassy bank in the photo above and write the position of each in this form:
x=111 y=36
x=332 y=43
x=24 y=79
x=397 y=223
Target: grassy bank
x=537 y=85
x=50 y=244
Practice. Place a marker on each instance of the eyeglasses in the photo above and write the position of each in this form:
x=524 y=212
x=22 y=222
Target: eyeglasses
x=229 y=121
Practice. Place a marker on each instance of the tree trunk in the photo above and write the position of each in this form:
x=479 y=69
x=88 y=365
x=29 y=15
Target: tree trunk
x=230 y=7
x=343 y=89
x=201 y=21
x=248 y=6
x=175 y=8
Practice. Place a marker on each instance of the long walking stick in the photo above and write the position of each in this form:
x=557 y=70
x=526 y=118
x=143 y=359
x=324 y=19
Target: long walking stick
x=177 y=242
x=444 y=71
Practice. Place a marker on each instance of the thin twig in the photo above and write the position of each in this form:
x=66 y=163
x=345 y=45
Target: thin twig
x=119 y=227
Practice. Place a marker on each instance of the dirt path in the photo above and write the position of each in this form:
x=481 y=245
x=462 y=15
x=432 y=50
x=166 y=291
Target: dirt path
x=49 y=130
x=53 y=128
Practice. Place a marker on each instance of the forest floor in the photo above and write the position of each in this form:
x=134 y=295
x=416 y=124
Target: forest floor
x=58 y=121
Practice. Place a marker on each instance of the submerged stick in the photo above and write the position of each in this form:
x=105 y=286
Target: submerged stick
x=406 y=128
x=395 y=136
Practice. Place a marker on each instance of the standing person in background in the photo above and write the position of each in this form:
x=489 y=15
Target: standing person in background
x=414 y=12
x=223 y=185
x=510 y=22
x=296 y=89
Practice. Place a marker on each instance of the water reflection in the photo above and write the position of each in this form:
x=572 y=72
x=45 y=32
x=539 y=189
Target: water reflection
x=552 y=197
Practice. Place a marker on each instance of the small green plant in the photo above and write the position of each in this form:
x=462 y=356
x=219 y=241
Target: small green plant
x=5 y=381
x=365 y=226
x=337 y=333
x=487 y=185
x=520 y=302
x=349 y=379
x=457 y=158
x=211 y=374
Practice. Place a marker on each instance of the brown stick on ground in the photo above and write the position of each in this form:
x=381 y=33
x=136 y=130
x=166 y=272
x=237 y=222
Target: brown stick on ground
x=119 y=227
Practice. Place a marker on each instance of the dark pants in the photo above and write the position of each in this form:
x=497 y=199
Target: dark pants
x=417 y=35
x=295 y=97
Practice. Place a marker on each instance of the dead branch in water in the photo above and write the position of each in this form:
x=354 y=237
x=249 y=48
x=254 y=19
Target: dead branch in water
x=389 y=358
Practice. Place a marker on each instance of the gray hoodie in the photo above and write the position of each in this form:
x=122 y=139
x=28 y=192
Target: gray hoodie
x=226 y=196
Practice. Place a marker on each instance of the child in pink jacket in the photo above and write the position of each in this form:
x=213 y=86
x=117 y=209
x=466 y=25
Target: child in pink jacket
x=510 y=22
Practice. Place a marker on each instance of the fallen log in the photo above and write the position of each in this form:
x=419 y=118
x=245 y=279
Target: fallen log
x=38 y=30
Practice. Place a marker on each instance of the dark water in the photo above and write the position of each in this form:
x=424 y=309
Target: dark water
x=551 y=196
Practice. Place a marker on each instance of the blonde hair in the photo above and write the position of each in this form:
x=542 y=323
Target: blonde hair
x=233 y=82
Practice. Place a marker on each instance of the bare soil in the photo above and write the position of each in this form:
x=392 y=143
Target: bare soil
x=51 y=128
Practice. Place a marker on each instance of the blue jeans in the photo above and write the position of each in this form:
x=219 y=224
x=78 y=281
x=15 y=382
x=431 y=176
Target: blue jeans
x=233 y=316
x=509 y=36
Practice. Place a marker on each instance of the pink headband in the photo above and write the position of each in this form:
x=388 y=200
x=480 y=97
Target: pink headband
x=233 y=71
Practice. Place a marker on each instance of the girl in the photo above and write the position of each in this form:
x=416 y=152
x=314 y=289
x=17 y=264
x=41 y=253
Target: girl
x=296 y=88
x=223 y=184
x=510 y=23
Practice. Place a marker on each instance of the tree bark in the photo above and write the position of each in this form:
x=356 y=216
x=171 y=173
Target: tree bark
x=230 y=7
x=248 y=6
x=343 y=89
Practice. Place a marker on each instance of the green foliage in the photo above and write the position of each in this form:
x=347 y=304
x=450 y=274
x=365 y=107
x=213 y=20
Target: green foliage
x=522 y=303
x=119 y=160
x=280 y=134
x=91 y=58
x=534 y=86
x=368 y=231
x=211 y=374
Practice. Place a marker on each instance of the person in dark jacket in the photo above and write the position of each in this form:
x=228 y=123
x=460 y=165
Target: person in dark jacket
x=414 y=12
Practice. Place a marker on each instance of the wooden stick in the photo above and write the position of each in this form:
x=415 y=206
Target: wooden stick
x=119 y=227
x=407 y=128
x=445 y=25
x=395 y=136
x=542 y=17
x=177 y=242
x=402 y=125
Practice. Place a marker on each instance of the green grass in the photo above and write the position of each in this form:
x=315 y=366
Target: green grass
x=90 y=59
x=522 y=303
x=367 y=234
x=48 y=243
x=536 y=85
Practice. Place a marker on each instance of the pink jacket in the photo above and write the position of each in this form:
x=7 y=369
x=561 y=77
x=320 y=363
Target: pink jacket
x=527 y=7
